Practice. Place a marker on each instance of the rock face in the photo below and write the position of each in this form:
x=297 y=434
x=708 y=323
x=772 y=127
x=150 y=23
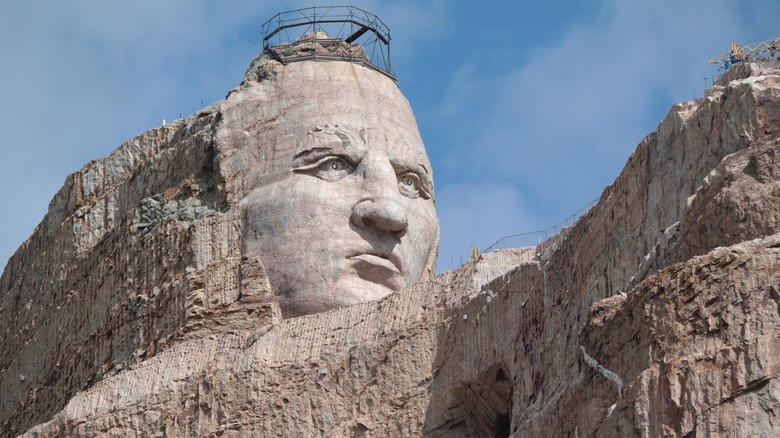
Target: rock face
x=327 y=169
x=133 y=311
x=308 y=188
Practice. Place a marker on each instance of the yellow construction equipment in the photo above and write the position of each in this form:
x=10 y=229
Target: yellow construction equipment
x=763 y=51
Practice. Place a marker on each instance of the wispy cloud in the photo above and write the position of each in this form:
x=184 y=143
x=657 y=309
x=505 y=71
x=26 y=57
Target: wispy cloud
x=557 y=127
x=536 y=126
x=80 y=78
x=473 y=214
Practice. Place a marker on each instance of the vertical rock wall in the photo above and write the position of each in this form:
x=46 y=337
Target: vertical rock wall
x=689 y=189
x=107 y=279
x=656 y=314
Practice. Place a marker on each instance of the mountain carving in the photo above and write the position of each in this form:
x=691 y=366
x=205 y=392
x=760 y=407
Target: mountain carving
x=134 y=308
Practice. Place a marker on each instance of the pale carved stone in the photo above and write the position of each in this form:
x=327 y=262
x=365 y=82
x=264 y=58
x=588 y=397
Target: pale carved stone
x=216 y=223
x=339 y=201
x=656 y=314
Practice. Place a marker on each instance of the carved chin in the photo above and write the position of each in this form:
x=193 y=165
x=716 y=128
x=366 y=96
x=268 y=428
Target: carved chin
x=350 y=291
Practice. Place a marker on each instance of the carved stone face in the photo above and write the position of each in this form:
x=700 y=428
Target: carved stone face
x=342 y=211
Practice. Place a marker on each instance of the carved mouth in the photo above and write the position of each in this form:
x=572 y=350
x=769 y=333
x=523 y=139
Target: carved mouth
x=391 y=263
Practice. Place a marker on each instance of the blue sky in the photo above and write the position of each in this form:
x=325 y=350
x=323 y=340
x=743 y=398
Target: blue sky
x=528 y=109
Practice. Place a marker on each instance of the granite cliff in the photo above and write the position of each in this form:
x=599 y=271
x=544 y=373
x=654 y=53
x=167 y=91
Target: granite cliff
x=131 y=312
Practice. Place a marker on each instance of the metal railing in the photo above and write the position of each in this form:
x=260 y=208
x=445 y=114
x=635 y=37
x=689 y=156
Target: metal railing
x=338 y=30
x=537 y=237
x=530 y=238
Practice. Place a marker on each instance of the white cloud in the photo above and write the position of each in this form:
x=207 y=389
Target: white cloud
x=544 y=127
x=78 y=79
x=416 y=28
x=589 y=97
x=559 y=126
x=477 y=214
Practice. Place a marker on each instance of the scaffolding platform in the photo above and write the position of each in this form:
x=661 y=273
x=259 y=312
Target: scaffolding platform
x=329 y=33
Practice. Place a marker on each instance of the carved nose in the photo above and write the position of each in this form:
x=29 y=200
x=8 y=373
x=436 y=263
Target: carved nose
x=383 y=214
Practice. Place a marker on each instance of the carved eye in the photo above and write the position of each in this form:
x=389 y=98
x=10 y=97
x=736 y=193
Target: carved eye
x=409 y=185
x=333 y=165
x=328 y=168
x=333 y=169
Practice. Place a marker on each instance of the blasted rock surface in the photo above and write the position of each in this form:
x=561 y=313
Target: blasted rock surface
x=656 y=314
x=182 y=232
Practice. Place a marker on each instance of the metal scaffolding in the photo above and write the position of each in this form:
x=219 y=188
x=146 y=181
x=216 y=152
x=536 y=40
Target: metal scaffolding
x=757 y=52
x=336 y=32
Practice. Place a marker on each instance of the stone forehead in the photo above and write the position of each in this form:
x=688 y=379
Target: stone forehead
x=338 y=136
x=334 y=92
x=266 y=121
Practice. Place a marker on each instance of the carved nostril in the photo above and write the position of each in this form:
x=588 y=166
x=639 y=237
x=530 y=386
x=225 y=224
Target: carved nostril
x=381 y=214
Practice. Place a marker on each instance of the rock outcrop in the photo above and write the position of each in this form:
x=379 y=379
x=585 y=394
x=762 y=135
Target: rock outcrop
x=656 y=314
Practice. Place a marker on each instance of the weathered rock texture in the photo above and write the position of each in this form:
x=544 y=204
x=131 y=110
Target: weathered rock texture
x=329 y=172
x=656 y=314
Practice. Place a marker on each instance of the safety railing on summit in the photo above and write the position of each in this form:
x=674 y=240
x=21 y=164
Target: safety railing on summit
x=329 y=27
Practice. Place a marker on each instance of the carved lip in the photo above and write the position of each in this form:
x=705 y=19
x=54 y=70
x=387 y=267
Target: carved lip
x=390 y=262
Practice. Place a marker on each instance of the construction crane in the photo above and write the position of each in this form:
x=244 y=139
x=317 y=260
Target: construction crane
x=763 y=51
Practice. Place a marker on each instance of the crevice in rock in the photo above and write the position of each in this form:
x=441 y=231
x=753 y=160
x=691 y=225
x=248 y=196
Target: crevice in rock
x=483 y=407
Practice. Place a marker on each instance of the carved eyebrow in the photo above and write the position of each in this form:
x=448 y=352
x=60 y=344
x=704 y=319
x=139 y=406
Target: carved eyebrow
x=425 y=176
x=314 y=146
x=400 y=167
x=328 y=139
x=317 y=152
x=401 y=163
x=308 y=155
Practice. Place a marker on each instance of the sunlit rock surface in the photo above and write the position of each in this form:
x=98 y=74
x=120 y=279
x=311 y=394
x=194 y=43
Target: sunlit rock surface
x=656 y=314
